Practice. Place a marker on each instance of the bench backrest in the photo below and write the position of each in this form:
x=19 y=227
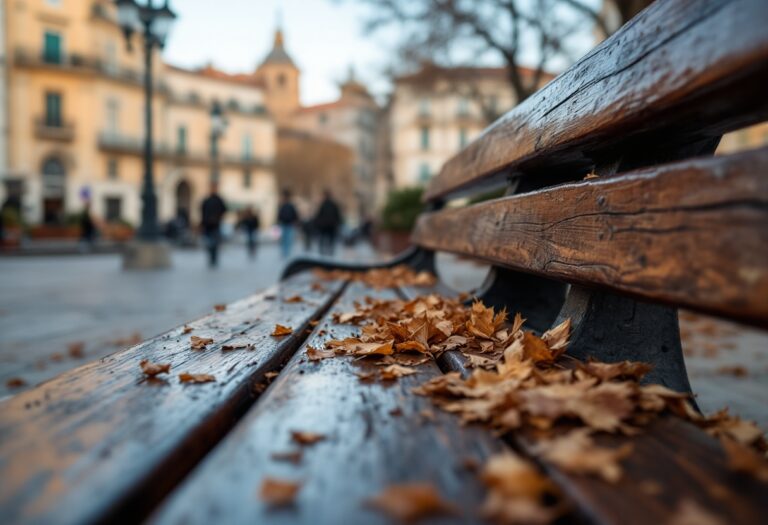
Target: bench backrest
x=660 y=222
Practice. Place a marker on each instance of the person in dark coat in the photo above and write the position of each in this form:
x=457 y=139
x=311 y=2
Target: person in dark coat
x=327 y=222
x=87 y=227
x=287 y=218
x=213 y=210
x=250 y=225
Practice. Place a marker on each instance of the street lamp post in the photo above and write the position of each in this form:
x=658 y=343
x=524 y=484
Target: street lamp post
x=218 y=126
x=153 y=24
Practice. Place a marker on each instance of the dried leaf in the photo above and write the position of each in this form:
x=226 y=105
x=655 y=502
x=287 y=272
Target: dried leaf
x=15 y=382
x=316 y=354
x=219 y=307
x=281 y=330
x=186 y=377
x=76 y=350
x=392 y=372
x=577 y=452
x=153 y=369
x=306 y=438
x=744 y=459
x=278 y=492
x=411 y=501
x=293 y=299
x=199 y=343
x=689 y=512
x=186 y=330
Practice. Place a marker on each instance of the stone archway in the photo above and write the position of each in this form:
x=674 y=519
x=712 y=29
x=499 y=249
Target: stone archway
x=54 y=190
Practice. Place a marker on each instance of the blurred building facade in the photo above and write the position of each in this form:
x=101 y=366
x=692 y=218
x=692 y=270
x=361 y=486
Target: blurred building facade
x=436 y=111
x=76 y=121
x=353 y=120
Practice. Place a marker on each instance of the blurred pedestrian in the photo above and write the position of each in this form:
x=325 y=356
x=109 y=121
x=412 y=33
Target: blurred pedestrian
x=308 y=232
x=250 y=225
x=213 y=210
x=328 y=221
x=87 y=227
x=287 y=218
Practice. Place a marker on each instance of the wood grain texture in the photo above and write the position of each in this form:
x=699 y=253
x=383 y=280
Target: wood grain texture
x=101 y=443
x=679 y=72
x=691 y=233
x=367 y=446
x=674 y=458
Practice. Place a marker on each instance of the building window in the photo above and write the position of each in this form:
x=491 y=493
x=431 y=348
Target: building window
x=462 y=137
x=281 y=80
x=463 y=107
x=425 y=138
x=247 y=179
x=113 y=112
x=53 y=109
x=52 y=47
x=181 y=140
x=112 y=169
x=113 y=209
x=247 y=147
x=54 y=190
x=424 y=107
x=424 y=173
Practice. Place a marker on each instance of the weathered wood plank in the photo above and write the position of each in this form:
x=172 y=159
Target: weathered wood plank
x=671 y=461
x=368 y=446
x=691 y=233
x=681 y=71
x=102 y=443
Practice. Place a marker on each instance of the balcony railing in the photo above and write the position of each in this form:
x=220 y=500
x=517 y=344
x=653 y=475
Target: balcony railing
x=51 y=130
x=119 y=143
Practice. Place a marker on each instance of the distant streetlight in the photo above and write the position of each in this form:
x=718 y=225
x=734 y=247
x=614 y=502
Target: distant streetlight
x=154 y=24
x=218 y=127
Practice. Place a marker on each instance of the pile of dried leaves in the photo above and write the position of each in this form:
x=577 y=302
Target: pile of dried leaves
x=380 y=278
x=524 y=382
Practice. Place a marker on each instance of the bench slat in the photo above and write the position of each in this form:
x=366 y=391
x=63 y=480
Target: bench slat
x=678 y=72
x=671 y=461
x=691 y=233
x=367 y=447
x=100 y=443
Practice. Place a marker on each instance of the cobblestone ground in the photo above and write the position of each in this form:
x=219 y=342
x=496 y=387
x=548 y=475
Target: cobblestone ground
x=50 y=303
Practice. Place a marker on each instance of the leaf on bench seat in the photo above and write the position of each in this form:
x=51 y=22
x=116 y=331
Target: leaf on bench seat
x=279 y=492
x=411 y=501
x=153 y=369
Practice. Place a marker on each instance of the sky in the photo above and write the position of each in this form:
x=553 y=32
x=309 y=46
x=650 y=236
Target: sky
x=324 y=38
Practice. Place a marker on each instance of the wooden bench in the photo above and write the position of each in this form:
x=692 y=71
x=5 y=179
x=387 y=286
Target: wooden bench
x=664 y=225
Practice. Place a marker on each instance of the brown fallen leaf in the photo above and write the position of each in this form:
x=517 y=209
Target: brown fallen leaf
x=199 y=343
x=153 y=369
x=186 y=330
x=293 y=456
x=690 y=512
x=366 y=376
x=271 y=375
x=281 y=330
x=186 y=377
x=15 y=382
x=317 y=287
x=411 y=501
x=316 y=354
x=743 y=459
x=590 y=176
x=733 y=370
x=293 y=299
x=577 y=452
x=306 y=438
x=517 y=491
x=76 y=350
x=392 y=372
x=278 y=492
x=219 y=307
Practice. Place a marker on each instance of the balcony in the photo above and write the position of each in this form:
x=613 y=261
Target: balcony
x=58 y=131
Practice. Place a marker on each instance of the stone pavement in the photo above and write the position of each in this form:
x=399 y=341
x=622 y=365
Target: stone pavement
x=49 y=306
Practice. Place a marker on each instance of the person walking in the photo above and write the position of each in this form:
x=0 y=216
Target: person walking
x=213 y=210
x=87 y=228
x=327 y=221
x=250 y=225
x=287 y=218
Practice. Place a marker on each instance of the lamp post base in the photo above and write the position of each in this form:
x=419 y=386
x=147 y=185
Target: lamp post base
x=144 y=255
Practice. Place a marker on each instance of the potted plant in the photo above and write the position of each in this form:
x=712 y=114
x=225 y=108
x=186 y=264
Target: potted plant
x=398 y=218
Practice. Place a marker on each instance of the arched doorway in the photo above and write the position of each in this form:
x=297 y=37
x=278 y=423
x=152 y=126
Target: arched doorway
x=183 y=200
x=54 y=190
